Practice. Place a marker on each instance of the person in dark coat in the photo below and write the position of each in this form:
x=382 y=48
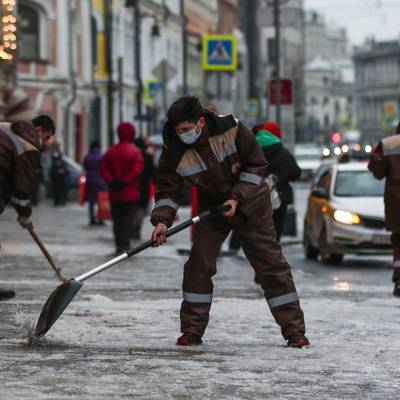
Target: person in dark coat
x=58 y=176
x=94 y=181
x=121 y=167
x=385 y=163
x=146 y=177
x=283 y=167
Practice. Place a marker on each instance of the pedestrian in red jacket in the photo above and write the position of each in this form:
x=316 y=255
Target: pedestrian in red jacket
x=121 y=167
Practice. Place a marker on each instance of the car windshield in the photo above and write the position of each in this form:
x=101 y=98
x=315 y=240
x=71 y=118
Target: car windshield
x=358 y=184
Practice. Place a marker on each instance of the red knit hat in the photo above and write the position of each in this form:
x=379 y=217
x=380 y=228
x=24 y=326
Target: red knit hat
x=126 y=131
x=273 y=128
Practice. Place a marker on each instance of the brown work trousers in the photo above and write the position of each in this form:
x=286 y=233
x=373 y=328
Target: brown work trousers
x=257 y=237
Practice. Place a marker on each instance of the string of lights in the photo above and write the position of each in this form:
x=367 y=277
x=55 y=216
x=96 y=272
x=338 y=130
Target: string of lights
x=8 y=33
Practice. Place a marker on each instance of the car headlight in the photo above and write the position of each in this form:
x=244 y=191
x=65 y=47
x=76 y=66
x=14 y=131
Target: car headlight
x=346 y=217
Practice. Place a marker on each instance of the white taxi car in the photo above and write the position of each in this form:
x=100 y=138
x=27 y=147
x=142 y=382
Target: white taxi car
x=345 y=214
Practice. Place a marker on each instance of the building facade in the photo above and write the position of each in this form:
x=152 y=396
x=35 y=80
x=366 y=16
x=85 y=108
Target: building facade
x=90 y=64
x=324 y=42
x=329 y=80
x=292 y=47
x=377 y=88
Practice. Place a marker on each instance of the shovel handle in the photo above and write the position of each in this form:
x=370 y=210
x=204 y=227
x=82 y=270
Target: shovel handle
x=195 y=220
x=129 y=253
x=49 y=258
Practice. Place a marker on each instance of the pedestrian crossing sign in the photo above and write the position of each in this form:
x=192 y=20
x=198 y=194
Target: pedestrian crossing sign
x=220 y=52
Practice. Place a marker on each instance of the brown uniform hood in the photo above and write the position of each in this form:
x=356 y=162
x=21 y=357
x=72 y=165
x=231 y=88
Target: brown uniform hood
x=27 y=131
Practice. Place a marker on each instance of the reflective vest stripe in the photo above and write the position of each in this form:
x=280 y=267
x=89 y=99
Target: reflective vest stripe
x=193 y=169
x=227 y=151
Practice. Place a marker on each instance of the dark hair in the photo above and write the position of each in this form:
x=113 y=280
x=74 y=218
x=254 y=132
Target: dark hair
x=94 y=145
x=45 y=122
x=398 y=128
x=187 y=108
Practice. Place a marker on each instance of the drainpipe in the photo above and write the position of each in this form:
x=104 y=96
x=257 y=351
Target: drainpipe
x=109 y=62
x=72 y=97
x=138 y=67
x=184 y=36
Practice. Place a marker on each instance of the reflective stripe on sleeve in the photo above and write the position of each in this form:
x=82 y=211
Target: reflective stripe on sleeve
x=284 y=299
x=197 y=297
x=20 y=202
x=166 y=202
x=252 y=178
x=396 y=264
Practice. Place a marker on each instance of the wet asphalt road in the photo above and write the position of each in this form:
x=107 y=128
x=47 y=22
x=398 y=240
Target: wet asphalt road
x=116 y=340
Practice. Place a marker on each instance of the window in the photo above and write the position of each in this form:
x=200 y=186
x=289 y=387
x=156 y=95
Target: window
x=29 y=33
x=326 y=121
x=272 y=51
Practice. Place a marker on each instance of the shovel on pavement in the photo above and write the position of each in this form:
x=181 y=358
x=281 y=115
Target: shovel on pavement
x=63 y=294
x=49 y=258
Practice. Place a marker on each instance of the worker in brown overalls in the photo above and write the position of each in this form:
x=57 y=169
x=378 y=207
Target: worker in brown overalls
x=221 y=157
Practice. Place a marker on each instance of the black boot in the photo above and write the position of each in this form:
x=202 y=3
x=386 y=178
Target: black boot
x=189 y=340
x=6 y=294
x=396 y=290
x=298 y=341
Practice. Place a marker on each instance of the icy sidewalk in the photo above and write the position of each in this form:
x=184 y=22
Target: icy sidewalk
x=116 y=340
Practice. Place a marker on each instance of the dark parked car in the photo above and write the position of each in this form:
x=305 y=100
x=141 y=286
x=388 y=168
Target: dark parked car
x=74 y=173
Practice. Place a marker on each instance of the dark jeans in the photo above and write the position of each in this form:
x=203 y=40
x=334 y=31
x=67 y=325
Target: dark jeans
x=396 y=256
x=60 y=190
x=279 y=217
x=122 y=214
x=137 y=222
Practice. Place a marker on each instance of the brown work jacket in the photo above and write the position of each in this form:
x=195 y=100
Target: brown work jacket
x=385 y=163
x=225 y=163
x=19 y=165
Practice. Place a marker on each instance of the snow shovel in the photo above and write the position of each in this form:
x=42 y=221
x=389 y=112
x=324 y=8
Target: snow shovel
x=63 y=294
x=49 y=258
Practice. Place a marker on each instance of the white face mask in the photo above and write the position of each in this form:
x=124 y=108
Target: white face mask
x=191 y=136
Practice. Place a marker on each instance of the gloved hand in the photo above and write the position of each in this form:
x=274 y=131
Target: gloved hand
x=25 y=222
x=158 y=235
x=117 y=185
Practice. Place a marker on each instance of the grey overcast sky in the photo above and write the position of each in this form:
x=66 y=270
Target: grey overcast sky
x=361 y=18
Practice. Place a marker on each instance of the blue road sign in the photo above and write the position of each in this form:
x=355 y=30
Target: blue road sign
x=219 y=52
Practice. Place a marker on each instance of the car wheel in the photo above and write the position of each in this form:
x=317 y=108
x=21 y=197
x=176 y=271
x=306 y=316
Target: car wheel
x=310 y=252
x=327 y=257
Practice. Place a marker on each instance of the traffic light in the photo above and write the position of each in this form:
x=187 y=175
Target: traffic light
x=336 y=138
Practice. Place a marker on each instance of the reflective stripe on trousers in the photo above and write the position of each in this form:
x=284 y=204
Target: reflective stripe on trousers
x=197 y=297
x=20 y=202
x=284 y=299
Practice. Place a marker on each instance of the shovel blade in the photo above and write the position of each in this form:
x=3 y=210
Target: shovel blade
x=55 y=306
